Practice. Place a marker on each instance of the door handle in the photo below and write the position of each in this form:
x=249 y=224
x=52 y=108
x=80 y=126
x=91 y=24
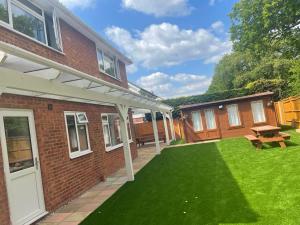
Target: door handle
x=36 y=163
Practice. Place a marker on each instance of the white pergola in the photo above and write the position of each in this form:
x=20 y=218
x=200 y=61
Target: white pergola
x=25 y=73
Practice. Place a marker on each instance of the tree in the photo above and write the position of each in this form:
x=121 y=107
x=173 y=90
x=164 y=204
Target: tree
x=228 y=68
x=266 y=26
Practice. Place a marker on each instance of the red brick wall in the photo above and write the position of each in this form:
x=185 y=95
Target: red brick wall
x=64 y=178
x=223 y=129
x=79 y=51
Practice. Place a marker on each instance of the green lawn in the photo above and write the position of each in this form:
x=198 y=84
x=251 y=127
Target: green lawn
x=228 y=182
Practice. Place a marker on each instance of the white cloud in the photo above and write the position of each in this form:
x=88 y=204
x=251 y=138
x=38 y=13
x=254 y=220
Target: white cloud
x=131 y=69
x=78 y=3
x=170 y=86
x=168 y=45
x=213 y=2
x=218 y=26
x=159 y=8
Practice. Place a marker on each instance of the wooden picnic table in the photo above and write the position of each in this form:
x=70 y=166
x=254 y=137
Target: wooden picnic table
x=267 y=134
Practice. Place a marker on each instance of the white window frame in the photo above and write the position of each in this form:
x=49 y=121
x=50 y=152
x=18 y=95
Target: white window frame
x=116 y=63
x=264 y=113
x=238 y=114
x=10 y=26
x=200 y=117
x=80 y=152
x=78 y=114
x=111 y=148
x=215 y=122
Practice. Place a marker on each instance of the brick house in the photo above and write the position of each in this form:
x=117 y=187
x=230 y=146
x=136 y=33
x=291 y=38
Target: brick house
x=227 y=118
x=65 y=109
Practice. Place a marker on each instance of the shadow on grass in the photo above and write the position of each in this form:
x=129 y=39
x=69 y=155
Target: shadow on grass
x=182 y=186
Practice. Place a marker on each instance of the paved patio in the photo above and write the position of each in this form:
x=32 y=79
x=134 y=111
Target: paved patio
x=78 y=209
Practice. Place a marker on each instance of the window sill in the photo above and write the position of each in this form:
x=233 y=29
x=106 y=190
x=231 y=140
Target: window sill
x=77 y=155
x=7 y=26
x=107 y=74
x=109 y=149
x=235 y=127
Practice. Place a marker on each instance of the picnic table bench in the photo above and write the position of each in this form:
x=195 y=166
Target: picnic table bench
x=267 y=134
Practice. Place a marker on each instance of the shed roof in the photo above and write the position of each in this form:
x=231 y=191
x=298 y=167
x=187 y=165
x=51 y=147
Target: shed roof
x=263 y=94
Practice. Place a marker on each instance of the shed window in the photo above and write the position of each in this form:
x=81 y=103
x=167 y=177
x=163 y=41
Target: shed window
x=197 y=121
x=258 y=111
x=210 y=119
x=233 y=115
x=112 y=131
x=78 y=136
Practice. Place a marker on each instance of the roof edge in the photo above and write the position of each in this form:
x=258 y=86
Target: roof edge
x=262 y=94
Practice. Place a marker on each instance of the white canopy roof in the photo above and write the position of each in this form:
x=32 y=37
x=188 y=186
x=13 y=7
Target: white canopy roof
x=25 y=73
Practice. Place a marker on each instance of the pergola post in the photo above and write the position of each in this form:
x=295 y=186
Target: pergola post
x=123 y=111
x=172 y=126
x=166 y=128
x=155 y=131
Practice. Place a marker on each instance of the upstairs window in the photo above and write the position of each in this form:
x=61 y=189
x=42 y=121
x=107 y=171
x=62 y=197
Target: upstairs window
x=4 y=11
x=28 y=22
x=32 y=21
x=108 y=64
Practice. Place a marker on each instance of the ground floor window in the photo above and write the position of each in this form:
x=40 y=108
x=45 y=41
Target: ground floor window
x=210 y=119
x=112 y=131
x=258 y=112
x=197 y=121
x=233 y=115
x=78 y=136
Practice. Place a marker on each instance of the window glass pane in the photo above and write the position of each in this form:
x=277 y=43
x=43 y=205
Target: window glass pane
x=210 y=119
x=258 y=112
x=100 y=60
x=52 y=40
x=114 y=129
x=233 y=115
x=106 y=135
x=3 y=11
x=32 y=6
x=81 y=118
x=18 y=142
x=82 y=133
x=109 y=65
x=197 y=122
x=72 y=133
x=28 y=24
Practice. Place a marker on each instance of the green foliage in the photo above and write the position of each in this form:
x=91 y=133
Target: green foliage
x=3 y=13
x=177 y=142
x=266 y=26
x=266 y=39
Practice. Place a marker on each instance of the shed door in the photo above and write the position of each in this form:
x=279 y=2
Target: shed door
x=21 y=164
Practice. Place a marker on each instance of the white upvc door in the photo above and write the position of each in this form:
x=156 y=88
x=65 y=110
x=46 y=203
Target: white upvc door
x=21 y=166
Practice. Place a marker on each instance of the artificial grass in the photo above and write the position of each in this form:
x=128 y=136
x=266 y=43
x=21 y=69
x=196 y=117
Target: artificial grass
x=228 y=182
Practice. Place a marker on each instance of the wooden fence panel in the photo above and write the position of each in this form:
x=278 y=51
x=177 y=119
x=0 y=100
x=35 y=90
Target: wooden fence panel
x=288 y=111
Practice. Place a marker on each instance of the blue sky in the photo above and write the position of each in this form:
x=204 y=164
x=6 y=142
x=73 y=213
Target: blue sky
x=174 y=44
